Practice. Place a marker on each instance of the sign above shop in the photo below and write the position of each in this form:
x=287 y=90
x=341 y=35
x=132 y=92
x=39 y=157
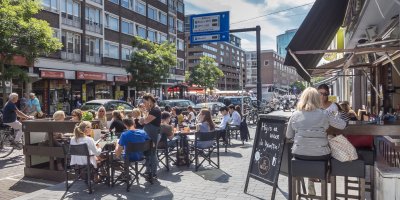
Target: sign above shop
x=96 y=76
x=123 y=79
x=52 y=74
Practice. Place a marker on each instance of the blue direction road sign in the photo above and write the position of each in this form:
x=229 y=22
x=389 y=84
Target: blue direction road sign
x=210 y=27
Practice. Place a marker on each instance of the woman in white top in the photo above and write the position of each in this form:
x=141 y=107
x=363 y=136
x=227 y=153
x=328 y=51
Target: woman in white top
x=101 y=116
x=80 y=137
x=326 y=105
x=191 y=116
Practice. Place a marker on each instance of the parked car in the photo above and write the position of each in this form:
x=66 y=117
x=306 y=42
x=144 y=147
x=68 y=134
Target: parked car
x=235 y=100
x=181 y=104
x=109 y=104
x=212 y=106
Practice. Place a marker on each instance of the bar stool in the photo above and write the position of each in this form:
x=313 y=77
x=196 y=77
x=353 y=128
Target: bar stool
x=368 y=155
x=308 y=169
x=353 y=168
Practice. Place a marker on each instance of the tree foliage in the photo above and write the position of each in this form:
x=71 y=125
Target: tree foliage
x=299 y=86
x=23 y=35
x=206 y=74
x=150 y=63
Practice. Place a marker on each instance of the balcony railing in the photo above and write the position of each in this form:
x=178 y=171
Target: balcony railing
x=94 y=27
x=71 y=20
x=97 y=1
x=172 y=30
x=96 y=58
x=70 y=56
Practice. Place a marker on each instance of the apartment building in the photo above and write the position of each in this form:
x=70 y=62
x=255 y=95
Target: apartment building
x=96 y=37
x=274 y=75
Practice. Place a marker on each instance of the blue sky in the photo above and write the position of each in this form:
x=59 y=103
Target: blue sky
x=271 y=26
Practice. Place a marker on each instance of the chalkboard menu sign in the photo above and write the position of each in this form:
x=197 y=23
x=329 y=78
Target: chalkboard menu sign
x=267 y=151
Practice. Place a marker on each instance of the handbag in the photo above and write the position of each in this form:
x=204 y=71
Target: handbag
x=361 y=141
x=342 y=150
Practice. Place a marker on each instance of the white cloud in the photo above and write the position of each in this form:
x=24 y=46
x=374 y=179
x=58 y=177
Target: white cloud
x=240 y=10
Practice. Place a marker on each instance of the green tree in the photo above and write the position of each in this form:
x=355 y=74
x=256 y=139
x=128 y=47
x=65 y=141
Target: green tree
x=22 y=35
x=150 y=63
x=206 y=74
x=299 y=85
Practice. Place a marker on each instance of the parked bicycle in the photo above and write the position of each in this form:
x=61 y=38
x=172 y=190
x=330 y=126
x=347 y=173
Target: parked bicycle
x=6 y=141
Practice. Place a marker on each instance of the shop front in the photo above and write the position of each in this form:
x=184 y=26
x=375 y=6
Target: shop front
x=94 y=85
x=121 y=88
x=53 y=90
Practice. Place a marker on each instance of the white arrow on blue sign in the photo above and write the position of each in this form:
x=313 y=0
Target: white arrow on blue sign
x=210 y=27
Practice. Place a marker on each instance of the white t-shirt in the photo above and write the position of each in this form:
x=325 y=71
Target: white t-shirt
x=93 y=150
x=192 y=117
x=236 y=119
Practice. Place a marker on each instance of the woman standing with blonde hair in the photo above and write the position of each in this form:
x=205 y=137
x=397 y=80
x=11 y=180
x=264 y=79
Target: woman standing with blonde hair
x=80 y=137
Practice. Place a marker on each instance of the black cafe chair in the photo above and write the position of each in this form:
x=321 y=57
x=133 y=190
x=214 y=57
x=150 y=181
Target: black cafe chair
x=206 y=151
x=130 y=168
x=165 y=153
x=78 y=171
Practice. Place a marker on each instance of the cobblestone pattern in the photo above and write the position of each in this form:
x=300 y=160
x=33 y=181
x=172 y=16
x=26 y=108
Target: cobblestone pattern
x=184 y=183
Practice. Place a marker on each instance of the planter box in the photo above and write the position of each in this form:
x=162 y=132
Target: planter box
x=387 y=181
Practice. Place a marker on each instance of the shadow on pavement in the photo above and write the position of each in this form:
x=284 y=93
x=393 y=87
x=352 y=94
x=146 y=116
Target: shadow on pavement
x=216 y=175
x=11 y=161
x=231 y=154
x=28 y=185
x=142 y=191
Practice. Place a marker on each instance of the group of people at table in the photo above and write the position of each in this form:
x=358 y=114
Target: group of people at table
x=147 y=122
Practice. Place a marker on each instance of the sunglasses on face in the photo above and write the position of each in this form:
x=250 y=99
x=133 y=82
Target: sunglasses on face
x=323 y=94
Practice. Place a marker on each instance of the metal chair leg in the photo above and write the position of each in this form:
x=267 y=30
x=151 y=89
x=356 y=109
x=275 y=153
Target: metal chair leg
x=333 y=187
x=294 y=189
x=362 y=188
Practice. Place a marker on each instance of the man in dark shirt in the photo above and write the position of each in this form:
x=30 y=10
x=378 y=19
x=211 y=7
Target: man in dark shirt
x=10 y=113
x=131 y=135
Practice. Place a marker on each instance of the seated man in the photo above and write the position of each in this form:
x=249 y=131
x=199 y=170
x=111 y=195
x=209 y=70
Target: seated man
x=224 y=122
x=235 y=118
x=168 y=130
x=131 y=135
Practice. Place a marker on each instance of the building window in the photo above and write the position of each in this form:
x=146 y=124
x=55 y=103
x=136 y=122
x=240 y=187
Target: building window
x=126 y=53
x=152 y=35
x=222 y=53
x=181 y=64
x=112 y=22
x=127 y=4
x=152 y=13
x=92 y=46
x=50 y=5
x=266 y=62
x=179 y=45
x=111 y=50
x=163 y=1
x=180 y=7
x=115 y=1
x=180 y=25
x=93 y=20
x=141 y=31
x=70 y=12
x=140 y=8
x=127 y=27
x=163 y=18
x=71 y=42
x=162 y=38
x=172 y=27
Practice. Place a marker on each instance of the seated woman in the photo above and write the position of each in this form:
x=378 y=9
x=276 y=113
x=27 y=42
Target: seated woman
x=136 y=114
x=191 y=117
x=58 y=116
x=308 y=127
x=76 y=115
x=117 y=123
x=80 y=137
x=101 y=116
x=206 y=125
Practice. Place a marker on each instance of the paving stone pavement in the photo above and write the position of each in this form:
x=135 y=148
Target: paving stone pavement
x=179 y=183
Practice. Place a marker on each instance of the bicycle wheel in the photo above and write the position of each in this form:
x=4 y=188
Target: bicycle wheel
x=6 y=147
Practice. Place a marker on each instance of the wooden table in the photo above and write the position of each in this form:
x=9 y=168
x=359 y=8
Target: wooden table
x=39 y=157
x=365 y=128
